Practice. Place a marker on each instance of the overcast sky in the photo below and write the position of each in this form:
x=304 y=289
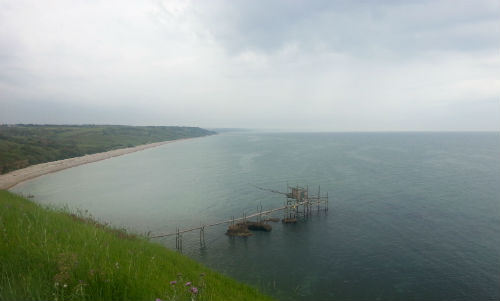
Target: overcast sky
x=297 y=65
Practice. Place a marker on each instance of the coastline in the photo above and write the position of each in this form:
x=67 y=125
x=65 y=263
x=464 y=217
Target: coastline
x=15 y=177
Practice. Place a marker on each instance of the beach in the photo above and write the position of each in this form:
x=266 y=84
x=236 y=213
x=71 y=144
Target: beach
x=15 y=177
x=400 y=206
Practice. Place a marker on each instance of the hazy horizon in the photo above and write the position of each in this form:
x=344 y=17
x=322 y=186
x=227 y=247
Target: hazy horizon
x=316 y=66
x=260 y=130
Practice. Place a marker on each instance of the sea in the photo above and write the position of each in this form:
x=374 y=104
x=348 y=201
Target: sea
x=412 y=216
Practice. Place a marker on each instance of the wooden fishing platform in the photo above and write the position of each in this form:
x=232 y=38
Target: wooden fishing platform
x=298 y=205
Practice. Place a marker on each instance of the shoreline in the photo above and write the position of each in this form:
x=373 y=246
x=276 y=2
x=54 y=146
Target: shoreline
x=15 y=177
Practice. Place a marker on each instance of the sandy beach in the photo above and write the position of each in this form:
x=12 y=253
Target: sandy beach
x=15 y=177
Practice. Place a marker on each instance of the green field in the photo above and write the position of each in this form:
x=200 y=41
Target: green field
x=24 y=145
x=48 y=254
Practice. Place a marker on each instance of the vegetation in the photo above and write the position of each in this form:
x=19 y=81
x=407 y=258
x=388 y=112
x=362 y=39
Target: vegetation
x=53 y=255
x=24 y=145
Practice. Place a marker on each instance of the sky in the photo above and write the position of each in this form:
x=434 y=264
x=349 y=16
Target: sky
x=289 y=65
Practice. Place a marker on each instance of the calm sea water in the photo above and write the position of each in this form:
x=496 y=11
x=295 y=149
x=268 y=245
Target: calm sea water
x=413 y=216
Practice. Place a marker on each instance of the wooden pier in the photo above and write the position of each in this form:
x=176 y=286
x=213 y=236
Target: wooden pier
x=298 y=204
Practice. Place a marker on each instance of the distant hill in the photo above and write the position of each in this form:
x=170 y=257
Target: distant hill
x=25 y=144
x=230 y=130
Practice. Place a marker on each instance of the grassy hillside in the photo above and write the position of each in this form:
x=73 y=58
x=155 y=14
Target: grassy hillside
x=52 y=255
x=24 y=145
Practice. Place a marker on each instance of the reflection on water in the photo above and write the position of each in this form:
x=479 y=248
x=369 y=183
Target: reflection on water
x=412 y=216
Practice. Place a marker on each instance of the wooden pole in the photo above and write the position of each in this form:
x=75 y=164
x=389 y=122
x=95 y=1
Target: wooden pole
x=260 y=215
x=178 y=240
x=287 y=209
x=319 y=195
x=202 y=236
x=201 y=231
x=327 y=201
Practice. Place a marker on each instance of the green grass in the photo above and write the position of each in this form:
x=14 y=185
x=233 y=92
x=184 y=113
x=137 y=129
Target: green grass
x=48 y=254
x=24 y=145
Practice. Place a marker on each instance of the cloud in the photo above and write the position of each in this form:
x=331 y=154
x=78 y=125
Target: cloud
x=360 y=27
x=316 y=65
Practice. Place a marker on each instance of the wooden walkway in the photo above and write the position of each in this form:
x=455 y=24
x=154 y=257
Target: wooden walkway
x=245 y=217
